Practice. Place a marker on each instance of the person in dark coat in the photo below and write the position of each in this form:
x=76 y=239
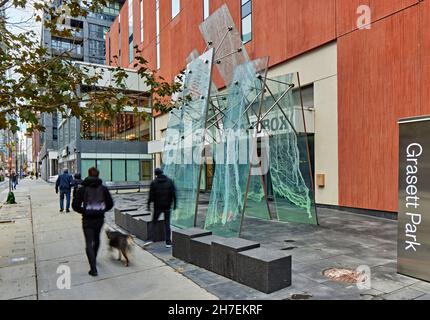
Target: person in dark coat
x=14 y=180
x=163 y=194
x=93 y=200
x=77 y=183
x=64 y=185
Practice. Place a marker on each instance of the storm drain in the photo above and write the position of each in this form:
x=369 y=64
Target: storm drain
x=344 y=275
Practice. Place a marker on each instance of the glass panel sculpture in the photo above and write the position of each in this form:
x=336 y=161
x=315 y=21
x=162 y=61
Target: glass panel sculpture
x=184 y=140
x=226 y=204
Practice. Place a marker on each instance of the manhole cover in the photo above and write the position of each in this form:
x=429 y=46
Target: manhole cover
x=344 y=275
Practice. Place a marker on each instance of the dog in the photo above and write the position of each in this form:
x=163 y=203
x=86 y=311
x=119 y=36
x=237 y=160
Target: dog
x=121 y=242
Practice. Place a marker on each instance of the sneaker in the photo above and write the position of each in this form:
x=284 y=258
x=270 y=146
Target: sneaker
x=67 y=210
x=93 y=273
x=168 y=245
x=61 y=210
x=149 y=242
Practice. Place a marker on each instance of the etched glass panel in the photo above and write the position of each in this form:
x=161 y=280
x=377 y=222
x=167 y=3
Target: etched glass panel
x=231 y=156
x=290 y=161
x=184 y=142
x=220 y=32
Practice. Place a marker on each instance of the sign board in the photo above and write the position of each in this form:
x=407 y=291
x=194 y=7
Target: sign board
x=414 y=198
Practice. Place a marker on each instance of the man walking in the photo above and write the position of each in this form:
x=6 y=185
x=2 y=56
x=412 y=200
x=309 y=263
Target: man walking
x=92 y=201
x=163 y=194
x=14 y=180
x=64 y=184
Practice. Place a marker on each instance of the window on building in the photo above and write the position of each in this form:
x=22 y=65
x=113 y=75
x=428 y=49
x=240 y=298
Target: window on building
x=206 y=9
x=85 y=165
x=176 y=7
x=146 y=170
x=157 y=21
x=65 y=45
x=141 y=21
x=133 y=173
x=130 y=31
x=104 y=166
x=97 y=48
x=125 y=127
x=96 y=31
x=119 y=39
x=246 y=13
x=118 y=170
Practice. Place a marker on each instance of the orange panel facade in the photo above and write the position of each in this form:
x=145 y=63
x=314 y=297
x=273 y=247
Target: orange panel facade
x=378 y=84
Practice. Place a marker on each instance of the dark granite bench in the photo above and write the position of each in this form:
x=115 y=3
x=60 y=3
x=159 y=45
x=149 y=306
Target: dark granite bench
x=120 y=216
x=224 y=255
x=142 y=228
x=201 y=251
x=238 y=259
x=181 y=242
x=264 y=269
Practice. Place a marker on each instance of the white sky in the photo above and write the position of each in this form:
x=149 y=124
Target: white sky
x=22 y=20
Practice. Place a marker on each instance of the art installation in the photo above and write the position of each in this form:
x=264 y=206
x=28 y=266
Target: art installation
x=253 y=132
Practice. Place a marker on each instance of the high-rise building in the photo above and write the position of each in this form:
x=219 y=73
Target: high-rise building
x=86 y=44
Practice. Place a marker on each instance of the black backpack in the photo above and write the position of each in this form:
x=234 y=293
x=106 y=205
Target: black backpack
x=94 y=201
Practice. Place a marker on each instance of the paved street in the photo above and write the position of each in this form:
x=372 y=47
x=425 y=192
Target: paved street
x=36 y=239
x=342 y=240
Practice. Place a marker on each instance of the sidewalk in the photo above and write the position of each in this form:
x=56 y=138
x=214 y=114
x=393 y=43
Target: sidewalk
x=28 y=268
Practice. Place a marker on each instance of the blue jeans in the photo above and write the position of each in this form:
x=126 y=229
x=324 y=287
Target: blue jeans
x=62 y=194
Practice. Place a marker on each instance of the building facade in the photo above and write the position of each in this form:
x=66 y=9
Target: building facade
x=119 y=151
x=367 y=66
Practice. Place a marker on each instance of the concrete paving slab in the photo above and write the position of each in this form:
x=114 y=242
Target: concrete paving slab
x=404 y=294
x=154 y=284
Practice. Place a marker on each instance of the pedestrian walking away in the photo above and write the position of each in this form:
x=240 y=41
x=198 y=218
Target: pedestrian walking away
x=163 y=194
x=77 y=183
x=64 y=185
x=93 y=200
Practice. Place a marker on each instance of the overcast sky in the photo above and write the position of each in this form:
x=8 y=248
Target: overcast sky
x=22 y=20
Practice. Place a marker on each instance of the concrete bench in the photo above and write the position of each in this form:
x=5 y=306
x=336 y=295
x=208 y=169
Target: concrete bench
x=142 y=228
x=181 y=242
x=125 y=186
x=201 y=251
x=264 y=269
x=224 y=255
x=120 y=216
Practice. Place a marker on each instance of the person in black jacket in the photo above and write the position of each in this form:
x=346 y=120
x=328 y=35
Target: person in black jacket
x=163 y=194
x=92 y=201
x=77 y=183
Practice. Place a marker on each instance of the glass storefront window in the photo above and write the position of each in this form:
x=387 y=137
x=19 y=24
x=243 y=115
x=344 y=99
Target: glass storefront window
x=146 y=170
x=125 y=127
x=118 y=170
x=133 y=170
x=85 y=165
x=104 y=166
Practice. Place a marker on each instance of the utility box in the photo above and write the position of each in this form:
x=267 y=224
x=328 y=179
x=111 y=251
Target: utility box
x=414 y=198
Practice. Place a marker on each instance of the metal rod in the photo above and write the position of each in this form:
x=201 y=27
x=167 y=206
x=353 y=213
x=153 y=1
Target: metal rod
x=228 y=55
x=229 y=29
x=283 y=112
x=276 y=103
x=286 y=83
